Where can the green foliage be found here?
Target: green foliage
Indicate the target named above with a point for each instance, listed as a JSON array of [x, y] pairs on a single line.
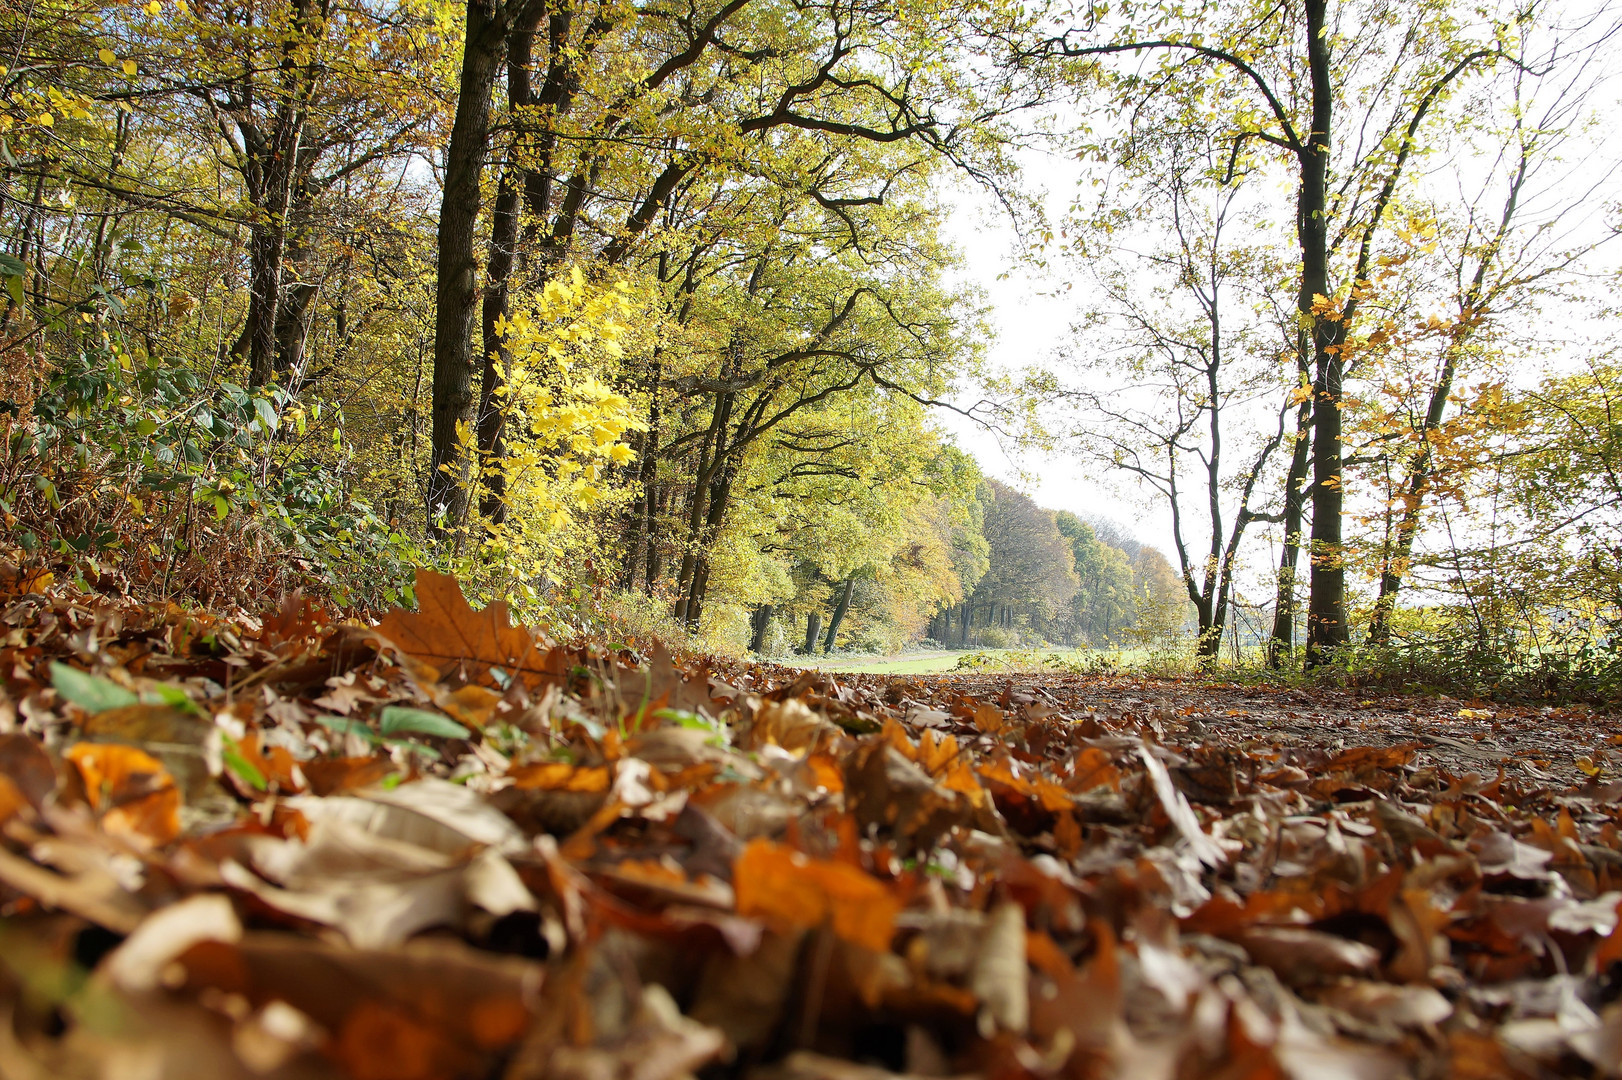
[[136, 465]]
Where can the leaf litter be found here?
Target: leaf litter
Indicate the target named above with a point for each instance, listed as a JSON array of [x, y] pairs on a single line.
[[443, 846]]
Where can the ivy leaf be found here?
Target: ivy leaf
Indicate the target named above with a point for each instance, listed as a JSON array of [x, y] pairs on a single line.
[[398, 719], [90, 692], [347, 727]]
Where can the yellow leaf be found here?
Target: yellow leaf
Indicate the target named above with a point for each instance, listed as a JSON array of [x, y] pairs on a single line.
[[106, 56], [129, 67]]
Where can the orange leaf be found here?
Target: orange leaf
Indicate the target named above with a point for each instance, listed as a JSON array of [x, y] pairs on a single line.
[[1610, 950], [274, 763], [1093, 768], [1049, 795], [473, 705], [445, 631], [560, 776], [134, 794], [11, 800], [380, 1042], [936, 752], [780, 884], [988, 718]]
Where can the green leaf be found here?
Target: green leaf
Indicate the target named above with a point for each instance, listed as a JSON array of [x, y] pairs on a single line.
[[414, 747], [347, 727], [245, 770], [398, 719], [14, 287], [90, 692], [11, 266], [175, 697]]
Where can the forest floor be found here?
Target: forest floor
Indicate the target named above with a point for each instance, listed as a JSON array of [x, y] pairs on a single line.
[[938, 661], [921, 662], [1536, 744], [440, 846]]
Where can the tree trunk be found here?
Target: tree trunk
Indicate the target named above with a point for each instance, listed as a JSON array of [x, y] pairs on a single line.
[[456, 291], [1282, 642], [293, 317], [839, 615], [813, 626], [760, 622], [1326, 604], [720, 499], [659, 497], [1417, 486], [714, 438], [640, 529], [492, 411], [1210, 631], [265, 246]]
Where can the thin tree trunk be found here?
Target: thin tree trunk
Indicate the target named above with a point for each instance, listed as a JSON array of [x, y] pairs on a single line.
[[1282, 641], [456, 292], [1422, 471], [720, 499], [640, 530], [492, 410], [660, 506], [1326, 604]]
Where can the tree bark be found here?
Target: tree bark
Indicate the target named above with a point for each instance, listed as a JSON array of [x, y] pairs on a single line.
[[839, 615], [1326, 604], [492, 410], [813, 626], [456, 292], [760, 622], [1282, 641]]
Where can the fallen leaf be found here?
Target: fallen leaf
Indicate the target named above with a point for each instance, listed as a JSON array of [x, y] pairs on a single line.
[[130, 790], [780, 884]]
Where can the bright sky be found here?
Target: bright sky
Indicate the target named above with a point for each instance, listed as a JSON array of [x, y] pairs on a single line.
[[1029, 325]]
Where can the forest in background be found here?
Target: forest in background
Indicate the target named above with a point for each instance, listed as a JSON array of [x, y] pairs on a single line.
[[638, 313]]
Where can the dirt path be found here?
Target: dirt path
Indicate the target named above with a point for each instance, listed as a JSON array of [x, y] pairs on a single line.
[[1550, 748]]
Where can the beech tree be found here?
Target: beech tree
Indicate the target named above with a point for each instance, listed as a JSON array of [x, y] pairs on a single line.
[[1275, 83]]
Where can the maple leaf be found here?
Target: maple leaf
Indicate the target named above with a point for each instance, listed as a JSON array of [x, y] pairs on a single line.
[[446, 632]]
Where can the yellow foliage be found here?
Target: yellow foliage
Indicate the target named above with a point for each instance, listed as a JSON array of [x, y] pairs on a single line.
[[565, 424]]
